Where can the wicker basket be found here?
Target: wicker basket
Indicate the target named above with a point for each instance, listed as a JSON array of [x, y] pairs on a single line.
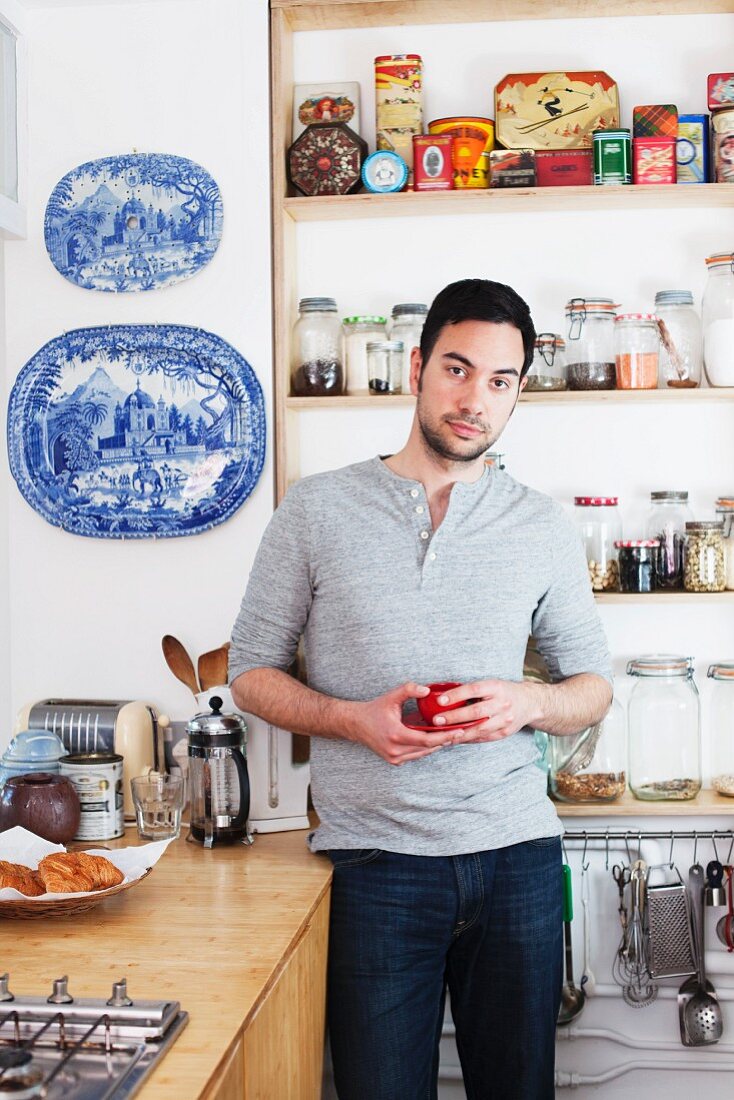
[[40, 908]]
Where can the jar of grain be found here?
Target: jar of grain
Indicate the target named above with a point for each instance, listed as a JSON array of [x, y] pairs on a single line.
[[590, 344], [548, 369], [725, 509], [636, 350], [664, 725], [590, 767], [722, 727], [703, 566], [600, 526]]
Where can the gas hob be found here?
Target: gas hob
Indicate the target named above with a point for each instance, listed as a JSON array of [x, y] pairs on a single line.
[[66, 1048]]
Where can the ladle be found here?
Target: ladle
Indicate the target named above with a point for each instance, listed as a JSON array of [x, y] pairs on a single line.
[[572, 998]]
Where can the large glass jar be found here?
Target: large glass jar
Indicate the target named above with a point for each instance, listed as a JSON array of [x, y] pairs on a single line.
[[666, 522], [590, 766], [548, 369], [681, 337], [600, 526], [317, 365], [358, 332], [590, 346], [664, 720], [703, 560], [722, 727], [725, 511], [636, 347], [718, 320], [406, 324]]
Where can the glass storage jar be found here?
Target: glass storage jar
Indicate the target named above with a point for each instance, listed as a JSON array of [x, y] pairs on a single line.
[[636, 347], [664, 721], [590, 345], [548, 369], [358, 333], [666, 521], [317, 360], [718, 320], [725, 509], [703, 558], [591, 766], [406, 324], [637, 559], [385, 364], [722, 727], [681, 339], [600, 526]]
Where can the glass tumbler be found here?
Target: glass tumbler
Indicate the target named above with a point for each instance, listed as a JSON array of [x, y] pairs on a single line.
[[158, 801]]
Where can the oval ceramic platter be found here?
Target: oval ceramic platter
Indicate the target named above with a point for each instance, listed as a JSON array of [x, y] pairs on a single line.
[[136, 431], [135, 222]]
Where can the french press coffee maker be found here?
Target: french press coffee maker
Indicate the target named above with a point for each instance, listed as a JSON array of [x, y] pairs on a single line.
[[219, 784]]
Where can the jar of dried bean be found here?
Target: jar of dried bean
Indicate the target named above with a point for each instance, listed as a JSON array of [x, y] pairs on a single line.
[[590, 767], [725, 510], [636, 351], [704, 568], [317, 366], [666, 522], [548, 369], [722, 727], [664, 725], [590, 344], [600, 526]]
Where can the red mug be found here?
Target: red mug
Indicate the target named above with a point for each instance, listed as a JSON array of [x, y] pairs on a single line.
[[429, 706]]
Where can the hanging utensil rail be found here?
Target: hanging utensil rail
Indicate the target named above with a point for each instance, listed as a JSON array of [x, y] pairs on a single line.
[[643, 834]]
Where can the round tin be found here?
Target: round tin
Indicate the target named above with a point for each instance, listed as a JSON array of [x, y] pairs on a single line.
[[97, 779], [612, 156], [384, 171]]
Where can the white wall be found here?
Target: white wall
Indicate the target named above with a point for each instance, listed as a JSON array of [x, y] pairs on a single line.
[[4, 519], [190, 78]]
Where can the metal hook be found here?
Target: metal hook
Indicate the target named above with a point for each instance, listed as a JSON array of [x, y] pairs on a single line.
[[728, 858], [670, 853], [563, 848], [606, 850], [713, 841], [627, 846], [584, 861], [695, 845]]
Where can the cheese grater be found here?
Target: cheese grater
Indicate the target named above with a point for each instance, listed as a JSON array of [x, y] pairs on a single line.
[[669, 929]]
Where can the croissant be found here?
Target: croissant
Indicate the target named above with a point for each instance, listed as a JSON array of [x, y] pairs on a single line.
[[75, 872], [18, 877], [103, 873]]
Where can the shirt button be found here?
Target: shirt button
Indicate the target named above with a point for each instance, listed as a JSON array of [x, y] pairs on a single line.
[[431, 557], [419, 509], [424, 534], [414, 493]]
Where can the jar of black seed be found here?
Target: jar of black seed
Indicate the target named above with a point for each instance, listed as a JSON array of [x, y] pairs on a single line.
[[590, 357], [637, 560], [317, 364]]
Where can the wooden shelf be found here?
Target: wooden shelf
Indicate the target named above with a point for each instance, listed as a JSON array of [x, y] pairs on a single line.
[[701, 598], [509, 200], [705, 803], [559, 397]]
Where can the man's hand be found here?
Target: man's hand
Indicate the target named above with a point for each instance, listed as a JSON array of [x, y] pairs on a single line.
[[504, 705], [377, 724]]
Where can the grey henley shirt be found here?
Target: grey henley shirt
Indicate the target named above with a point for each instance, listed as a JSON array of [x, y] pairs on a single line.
[[350, 560]]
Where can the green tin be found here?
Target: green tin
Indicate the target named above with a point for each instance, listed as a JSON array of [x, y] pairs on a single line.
[[612, 156]]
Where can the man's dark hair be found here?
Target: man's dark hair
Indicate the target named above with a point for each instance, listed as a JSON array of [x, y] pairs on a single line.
[[478, 300]]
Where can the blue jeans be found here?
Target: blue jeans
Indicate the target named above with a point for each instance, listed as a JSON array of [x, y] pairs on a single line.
[[403, 928]]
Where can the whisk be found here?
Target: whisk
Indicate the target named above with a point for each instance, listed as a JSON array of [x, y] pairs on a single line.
[[631, 967]]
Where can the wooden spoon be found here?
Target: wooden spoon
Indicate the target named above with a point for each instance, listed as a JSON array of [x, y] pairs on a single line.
[[212, 667], [179, 662]]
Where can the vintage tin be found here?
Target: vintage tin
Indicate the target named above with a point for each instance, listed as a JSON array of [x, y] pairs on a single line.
[[612, 157], [720, 90], [655, 120], [692, 149], [399, 104], [563, 167], [384, 171], [97, 779], [554, 110], [433, 165], [511, 167], [473, 136], [723, 126], [337, 102], [326, 159], [653, 160]]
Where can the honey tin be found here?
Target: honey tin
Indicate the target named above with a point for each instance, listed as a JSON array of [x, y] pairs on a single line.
[[720, 91], [399, 103], [722, 123], [97, 780], [384, 171], [433, 166], [612, 157], [326, 159], [473, 136], [557, 110], [511, 167], [692, 149], [655, 120], [564, 167], [653, 160]]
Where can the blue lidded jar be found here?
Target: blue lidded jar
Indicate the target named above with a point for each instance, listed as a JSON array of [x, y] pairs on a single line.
[[31, 751]]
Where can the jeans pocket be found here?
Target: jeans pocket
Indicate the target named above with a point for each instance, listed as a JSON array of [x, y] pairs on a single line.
[[353, 857], [546, 841]]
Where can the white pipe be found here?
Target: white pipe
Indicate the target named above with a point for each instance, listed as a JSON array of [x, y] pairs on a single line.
[[572, 1032], [573, 1080], [665, 993]]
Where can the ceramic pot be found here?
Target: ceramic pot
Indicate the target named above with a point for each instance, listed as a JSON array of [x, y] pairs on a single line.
[[45, 804]]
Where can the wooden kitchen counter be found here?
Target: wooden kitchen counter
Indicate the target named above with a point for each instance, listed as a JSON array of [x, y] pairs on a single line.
[[237, 935]]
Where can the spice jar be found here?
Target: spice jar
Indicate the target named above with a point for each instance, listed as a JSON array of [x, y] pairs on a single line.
[[664, 721], [600, 526], [637, 564], [548, 369], [666, 522], [384, 363], [703, 559], [725, 509], [358, 332], [636, 345], [722, 727], [590, 346], [406, 324], [317, 362], [681, 338], [590, 767], [718, 320]]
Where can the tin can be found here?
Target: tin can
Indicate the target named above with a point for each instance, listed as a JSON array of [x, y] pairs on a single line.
[[511, 167], [563, 167], [612, 156], [97, 779], [433, 165], [473, 137], [692, 149], [399, 104], [384, 172], [720, 87], [723, 127], [654, 160], [655, 120]]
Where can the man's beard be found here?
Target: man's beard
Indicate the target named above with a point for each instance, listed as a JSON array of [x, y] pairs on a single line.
[[436, 442]]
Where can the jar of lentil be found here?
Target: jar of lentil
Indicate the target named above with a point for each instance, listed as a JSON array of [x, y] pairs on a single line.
[[358, 333], [590, 345], [385, 364], [637, 564], [722, 727], [666, 522], [406, 324], [725, 510], [317, 359], [590, 767], [718, 320], [703, 559], [664, 724], [636, 349], [600, 526], [548, 369], [681, 338]]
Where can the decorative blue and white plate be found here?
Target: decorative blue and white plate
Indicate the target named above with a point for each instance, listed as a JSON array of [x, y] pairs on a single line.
[[133, 222], [136, 431]]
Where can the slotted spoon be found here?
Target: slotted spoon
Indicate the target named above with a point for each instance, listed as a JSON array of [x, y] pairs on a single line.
[[698, 1007]]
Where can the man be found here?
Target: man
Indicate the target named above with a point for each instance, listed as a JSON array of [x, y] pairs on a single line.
[[425, 566]]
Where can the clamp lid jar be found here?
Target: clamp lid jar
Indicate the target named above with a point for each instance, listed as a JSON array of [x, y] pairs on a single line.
[[722, 727], [548, 369], [718, 320], [590, 767], [725, 510], [590, 346], [664, 719]]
